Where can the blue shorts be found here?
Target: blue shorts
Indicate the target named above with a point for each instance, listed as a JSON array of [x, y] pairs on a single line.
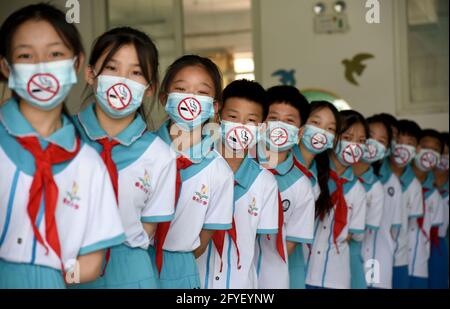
[[179, 270], [29, 276], [418, 283], [438, 266], [400, 277], [128, 268]]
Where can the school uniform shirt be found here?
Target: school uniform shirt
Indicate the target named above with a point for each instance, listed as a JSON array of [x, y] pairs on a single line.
[[206, 195], [329, 264], [419, 237], [255, 213], [312, 169], [146, 174], [86, 211], [412, 200], [299, 211], [379, 244], [443, 229]]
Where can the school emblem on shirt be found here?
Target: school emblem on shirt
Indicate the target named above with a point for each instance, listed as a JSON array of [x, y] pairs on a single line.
[[391, 191], [72, 198], [143, 183], [286, 204], [252, 209], [202, 196]]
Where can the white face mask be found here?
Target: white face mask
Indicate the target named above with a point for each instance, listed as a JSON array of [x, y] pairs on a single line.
[[237, 136], [427, 159], [349, 153], [443, 163], [44, 85], [403, 154]]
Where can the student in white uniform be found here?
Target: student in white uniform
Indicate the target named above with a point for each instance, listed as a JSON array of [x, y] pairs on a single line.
[[228, 262], [438, 262], [191, 92], [288, 111], [428, 154], [317, 136], [379, 140], [123, 69], [344, 219], [412, 198], [58, 211]]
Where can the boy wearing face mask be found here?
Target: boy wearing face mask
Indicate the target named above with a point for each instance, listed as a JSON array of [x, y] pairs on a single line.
[[438, 262], [288, 111], [403, 153], [229, 260], [428, 155]]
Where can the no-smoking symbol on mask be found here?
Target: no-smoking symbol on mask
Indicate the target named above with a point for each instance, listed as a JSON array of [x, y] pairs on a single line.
[[119, 96], [319, 141], [43, 87], [352, 154], [401, 155], [371, 151], [189, 109], [279, 136], [239, 138], [428, 160]]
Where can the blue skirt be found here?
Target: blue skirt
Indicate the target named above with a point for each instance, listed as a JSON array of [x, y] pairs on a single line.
[[438, 266], [400, 277], [128, 268], [179, 270], [29, 276], [297, 268], [358, 277]]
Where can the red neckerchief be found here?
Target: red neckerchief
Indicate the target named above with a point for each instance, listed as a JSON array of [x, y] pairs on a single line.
[[163, 227], [280, 247], [43, 182], [302, 168], [218, 239], [421, 219], [340, 213]]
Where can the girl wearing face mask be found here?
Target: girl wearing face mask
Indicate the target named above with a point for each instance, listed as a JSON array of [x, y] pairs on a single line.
[[382, 217], [58, 211], [438, 263], [310, 155], [191, 92], [329, 261], [122, 71]]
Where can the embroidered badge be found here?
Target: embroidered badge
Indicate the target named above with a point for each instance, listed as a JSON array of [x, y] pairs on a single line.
[[144, 183], [202, 196], [252, 209], [391, 191], [286, 204], [71, 197]]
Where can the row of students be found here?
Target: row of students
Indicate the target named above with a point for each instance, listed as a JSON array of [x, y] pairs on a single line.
[[301, 203]]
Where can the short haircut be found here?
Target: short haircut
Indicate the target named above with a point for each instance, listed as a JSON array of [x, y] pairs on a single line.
[[434, 134], [391, 120], [249, 90], [409, 128], [291, 96]]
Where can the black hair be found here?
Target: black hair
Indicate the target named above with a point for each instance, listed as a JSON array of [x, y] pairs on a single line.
[[391, 120], [41, 11], [193, 60], [433, 134], [409, 128], [291, 96], [445, 138], [113, 40], [323, 203], [350, 118], [249, 90], [384, 122]]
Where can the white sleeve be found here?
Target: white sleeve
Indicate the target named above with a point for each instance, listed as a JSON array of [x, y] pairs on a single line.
[[268, 220], [160, 207], [104, 226], [438, 214], [300, 223], [219, 214], [415, 207], [357, 202], [375, 210]]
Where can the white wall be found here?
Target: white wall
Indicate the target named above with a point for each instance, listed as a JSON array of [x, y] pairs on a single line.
[[287, 41]]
